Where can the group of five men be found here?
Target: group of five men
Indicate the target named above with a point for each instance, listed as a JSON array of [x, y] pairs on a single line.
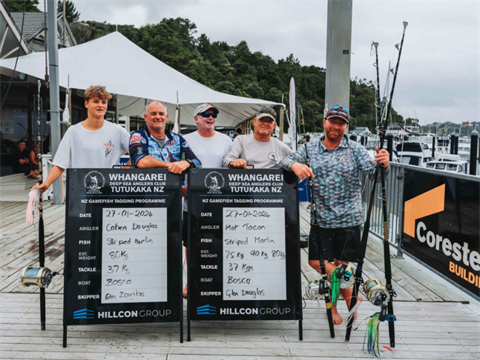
[[334, 163]]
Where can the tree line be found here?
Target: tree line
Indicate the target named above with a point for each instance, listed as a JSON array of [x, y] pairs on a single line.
[[231, 69]]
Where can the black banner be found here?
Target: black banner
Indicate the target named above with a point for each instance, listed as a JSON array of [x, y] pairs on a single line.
[[123, 256], [441, 225], [243, 246]]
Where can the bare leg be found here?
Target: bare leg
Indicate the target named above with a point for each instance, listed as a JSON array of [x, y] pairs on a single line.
[[329, 267], [185, 289], [347, 293]]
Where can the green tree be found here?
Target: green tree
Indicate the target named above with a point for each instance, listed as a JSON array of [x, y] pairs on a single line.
[[71, 12], [17, 6]]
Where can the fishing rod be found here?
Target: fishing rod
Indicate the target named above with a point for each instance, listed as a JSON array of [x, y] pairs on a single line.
[[323, 284], [387, 309], [366, 227], [386, 245], [41, 231], [379, 104]]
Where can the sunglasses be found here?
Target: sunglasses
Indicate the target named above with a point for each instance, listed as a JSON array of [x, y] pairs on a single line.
[[267, 110], [337, 123], [266, 120], [335, 107], [208, 114]]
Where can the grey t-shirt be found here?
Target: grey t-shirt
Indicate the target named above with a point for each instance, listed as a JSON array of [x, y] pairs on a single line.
[[260, 154], [159, 141], [82, 148]]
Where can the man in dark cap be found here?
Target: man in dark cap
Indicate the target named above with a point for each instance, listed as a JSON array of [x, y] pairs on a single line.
[[259, 150], [335, 165]]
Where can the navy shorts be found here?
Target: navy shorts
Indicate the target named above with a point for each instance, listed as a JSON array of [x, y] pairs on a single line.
[[341, 244]]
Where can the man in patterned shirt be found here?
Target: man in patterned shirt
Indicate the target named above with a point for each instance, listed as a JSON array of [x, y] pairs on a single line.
[[156, 147], [335, 165]]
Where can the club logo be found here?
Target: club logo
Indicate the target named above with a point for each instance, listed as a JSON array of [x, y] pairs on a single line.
[[108, 148], [214, 181], [206, 310], [93, 182], [83, 314]]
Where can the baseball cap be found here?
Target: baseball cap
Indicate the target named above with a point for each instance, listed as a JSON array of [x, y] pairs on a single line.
[[204, 107], [338, 112], [266, 112]]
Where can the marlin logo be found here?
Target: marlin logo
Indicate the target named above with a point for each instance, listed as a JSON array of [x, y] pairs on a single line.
[[206, 310], [83, 314]]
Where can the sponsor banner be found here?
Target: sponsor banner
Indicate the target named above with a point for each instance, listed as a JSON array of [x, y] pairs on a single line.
[[123, 253], [441, 225], [244, 255]]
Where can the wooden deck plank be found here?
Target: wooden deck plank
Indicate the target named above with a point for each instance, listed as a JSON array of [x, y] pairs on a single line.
[[428, 329]]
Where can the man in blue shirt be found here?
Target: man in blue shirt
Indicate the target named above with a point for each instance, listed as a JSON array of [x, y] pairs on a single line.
[[335, 165], [156, 147]]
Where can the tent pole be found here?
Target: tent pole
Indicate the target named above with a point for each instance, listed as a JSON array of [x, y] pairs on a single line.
[[282, 110], [52, 45]]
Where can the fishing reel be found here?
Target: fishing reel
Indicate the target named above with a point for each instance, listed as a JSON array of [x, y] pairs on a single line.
[[345, 273], [37, 276], [378, 295], [315, 290], [376, 292]]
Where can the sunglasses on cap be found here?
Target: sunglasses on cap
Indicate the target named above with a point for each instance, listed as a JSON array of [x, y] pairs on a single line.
[[335, 107], [207, 114], [267, 110]]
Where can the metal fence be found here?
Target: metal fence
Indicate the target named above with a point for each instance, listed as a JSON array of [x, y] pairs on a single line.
[[394, 194]]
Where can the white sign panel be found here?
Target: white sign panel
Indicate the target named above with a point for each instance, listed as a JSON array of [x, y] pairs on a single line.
[[134, 255], [254, 265]]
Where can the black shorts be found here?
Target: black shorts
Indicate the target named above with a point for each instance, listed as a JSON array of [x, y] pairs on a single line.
[[185, 228], [341, 244]]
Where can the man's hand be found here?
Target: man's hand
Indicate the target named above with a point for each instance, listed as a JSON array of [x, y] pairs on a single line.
[[178, 167], [382, 157], [184, 192], [302, 171], [42, 187], [239, 164]]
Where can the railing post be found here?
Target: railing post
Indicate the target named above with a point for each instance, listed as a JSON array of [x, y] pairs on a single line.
[[473, 152], [400, 204]]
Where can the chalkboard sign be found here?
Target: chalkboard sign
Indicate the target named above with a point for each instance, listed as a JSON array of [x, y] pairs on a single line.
[[243, 245], [123, 256]]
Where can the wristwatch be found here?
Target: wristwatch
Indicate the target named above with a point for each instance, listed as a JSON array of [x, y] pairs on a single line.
[[192, 165]]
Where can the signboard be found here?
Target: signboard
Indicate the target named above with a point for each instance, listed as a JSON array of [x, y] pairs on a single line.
[[243, 246], [441, 225], [123, 256]]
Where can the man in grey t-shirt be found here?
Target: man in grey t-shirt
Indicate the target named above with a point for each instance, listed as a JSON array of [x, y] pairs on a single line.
[[259, 150]]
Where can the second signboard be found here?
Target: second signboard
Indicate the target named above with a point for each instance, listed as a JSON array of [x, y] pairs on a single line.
[[243, 248]]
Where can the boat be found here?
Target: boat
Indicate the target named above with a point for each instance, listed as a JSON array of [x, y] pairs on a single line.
[[448, 162], [413, 151]]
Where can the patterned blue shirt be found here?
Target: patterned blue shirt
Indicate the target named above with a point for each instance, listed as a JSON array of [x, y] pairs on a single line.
[[143, 144], [336, 185]]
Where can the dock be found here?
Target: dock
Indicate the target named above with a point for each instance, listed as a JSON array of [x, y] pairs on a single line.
[[434, 319]]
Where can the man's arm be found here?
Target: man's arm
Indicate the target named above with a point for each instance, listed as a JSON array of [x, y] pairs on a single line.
[[296, 162], [147, 162], [189, 154], [53, 175], [365, 162], [234, 153]]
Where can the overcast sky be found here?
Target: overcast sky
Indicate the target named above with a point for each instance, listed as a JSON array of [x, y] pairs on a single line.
[[438, 79]]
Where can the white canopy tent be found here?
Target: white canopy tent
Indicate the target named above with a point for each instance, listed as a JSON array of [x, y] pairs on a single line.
[[135, 75]]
